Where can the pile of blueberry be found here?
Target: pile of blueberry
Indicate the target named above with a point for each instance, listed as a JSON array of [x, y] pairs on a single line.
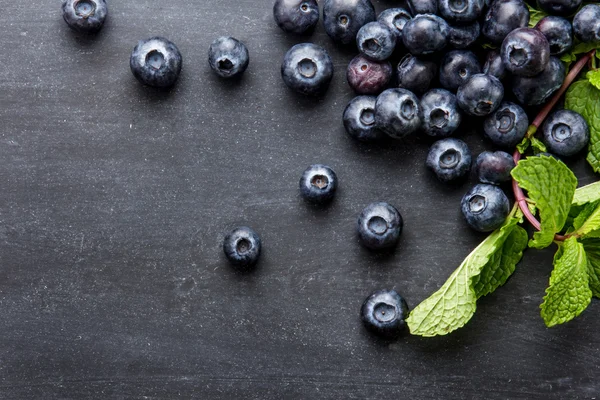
[[439, 82]]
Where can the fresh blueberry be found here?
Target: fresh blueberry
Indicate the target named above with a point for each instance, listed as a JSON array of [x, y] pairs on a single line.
[[359, 119], [379, 226], [307, 69], [507, 126], [425, 34], [296, 16], [376, 41], [415, 74], [156, 62], [525, 52], [395, 19], [560, 7], [586, 24], [503, 17], [242, 247], [565, 133], [485, 207], [397, 113], [318, 184], [457, 67], [494, 65], [368, 77], [344, 18], [440, 115], [449, 159], [85, 16], [460, 11], [494, 168], [463, 36], [228, 57], [481, 95], [558, 32], [422, 6], [533, 91], [384, 313]]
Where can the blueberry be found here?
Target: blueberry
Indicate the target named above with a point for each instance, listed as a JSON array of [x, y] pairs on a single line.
[[376, 41], [494, 65], [485, 207], [422, 6], [228, 57], [494, 168], [296, 16], [525, 52], [318, 184], [368, 77], [242, 247], [449, 159], [379, 226], [384, 313], [463, 36], [507, 126], [307, 69], [397, 113], [586, 24], [415, 74], [480, 95], [558, 32], [85, 16], [359, 119], [565, 133], [460, 11], [533, 91], [560, 7], [344, 18], [395, 19], [156, 62], [425, 34], [440, 115], [457, 67], [503, 17]]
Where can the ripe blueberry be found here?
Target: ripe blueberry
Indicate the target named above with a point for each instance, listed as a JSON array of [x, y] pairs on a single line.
[[368, 77], [558, 32], [480, 95], [494, 65], [559, 7], [376, 41], [384, 313], [503, 17], [494, 168], [85, 16], [533, 91], [242, 247], [228, 57], [440, 115], [463, 36], [425, 34], [397, 113], [449, 159], [344, 18], [566, 133], [156, 62], [379, 226], [307, 69], [395, 19], [318, 184], [422, 6], [525, 52], [359, 119], [460, 11], [457, 67], [586, 24], [296, 16], [507, 126], [415, 74], [485, 207]]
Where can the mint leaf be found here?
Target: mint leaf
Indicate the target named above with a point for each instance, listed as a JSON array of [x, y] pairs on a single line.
[[584, 98], [486, 268], [585, 212], [594, 78], [587, 194], [580, 48], [538, 145], [592, 249], [550, 184], [535, 15], [524, 145], [589, 220], [569, 293]]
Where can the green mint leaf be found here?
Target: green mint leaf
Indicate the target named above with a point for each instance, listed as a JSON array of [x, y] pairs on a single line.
[[569, 293], [537, 145], [587, 194], [585, 212], [592, 249], [550, 184], [524, 145], [594, 78], [580, 48], [584, 98], [489, 46], [588, 221], [535, 15], [486, 268]]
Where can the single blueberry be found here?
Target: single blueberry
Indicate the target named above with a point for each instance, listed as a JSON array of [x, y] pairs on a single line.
[[565, 133], [384, 313], [558, 32], [525, 52], [156, 62], [368, 77], [85, 16], [379, 226], [343, 19], [228, 57], [242, 247], [307, 69], [586, 24], [376, 41], [457, 67], [296, 16], [463, 36], [359, 119], [318, 184], [397, 113], [494, 168], [460, 11], [494, 65], [425, 34], [449, 159], [560, 7], [480, 95], [415, 74], [485, 207], [440, 115], [395, 19], [507, 126], [533, 91], [503, 17], [422, 6]]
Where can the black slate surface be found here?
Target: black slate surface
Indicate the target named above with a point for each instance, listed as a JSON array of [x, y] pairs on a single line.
[[114, 199]]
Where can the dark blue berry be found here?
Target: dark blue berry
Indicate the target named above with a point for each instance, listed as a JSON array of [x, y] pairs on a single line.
[[457, 67], [384, 313], [507, 126], [525, 52], [359, 119], [565, 133], [460, 11], [368, 77], [440, 115], [85, 16], [560, 7], [533, 91], [494, 65], [586, 24], [422, 6], [344, 18], [463, 36], [503, 17], [228, 57], [449, 159], [485, 207], [558, 32], [415, 74], [425, 34], [318, 184], [242, 247], [481, 95], [379, 226], [307, 69], [376, 41], [395, 19], [397, 113], [296, 16], [156, 62], [494, 168]]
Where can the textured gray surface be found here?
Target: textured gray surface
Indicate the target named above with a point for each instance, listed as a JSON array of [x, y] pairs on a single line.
[[114, 200]]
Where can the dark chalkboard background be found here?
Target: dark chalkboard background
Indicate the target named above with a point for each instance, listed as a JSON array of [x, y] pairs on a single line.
[[114, 199]]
